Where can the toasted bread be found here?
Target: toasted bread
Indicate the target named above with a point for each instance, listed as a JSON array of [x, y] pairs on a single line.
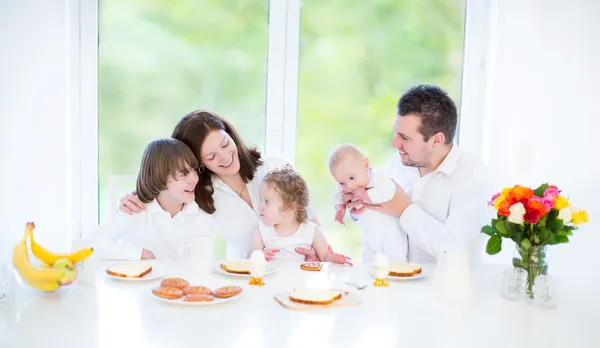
[[167, 292], [237, 267], [227, 291], [403, 269], [129, 270], [315, 296]]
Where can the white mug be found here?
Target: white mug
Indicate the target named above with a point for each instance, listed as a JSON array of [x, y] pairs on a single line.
[[201, 253], [88, 268]]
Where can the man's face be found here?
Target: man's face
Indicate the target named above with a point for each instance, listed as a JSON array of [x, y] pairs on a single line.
[[413, 149]]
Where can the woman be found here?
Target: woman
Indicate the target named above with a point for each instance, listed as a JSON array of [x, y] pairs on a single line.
[[229, 176]]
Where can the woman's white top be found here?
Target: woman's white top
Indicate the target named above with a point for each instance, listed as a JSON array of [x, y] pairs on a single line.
[[234, 218], [302, 238], [124, 236]]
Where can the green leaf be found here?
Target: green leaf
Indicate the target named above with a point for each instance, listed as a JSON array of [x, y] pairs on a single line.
[[564, 232], [540, 190], [555, 225], [517, 262], [542, 222], [501, 227], [489, 230], [562, 239], [553, 240], [536, 239], [518, 235], [525, 243], [545, 234], [494, 245]]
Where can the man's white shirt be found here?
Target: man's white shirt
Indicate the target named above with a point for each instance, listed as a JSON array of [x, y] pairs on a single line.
[[449, 205]]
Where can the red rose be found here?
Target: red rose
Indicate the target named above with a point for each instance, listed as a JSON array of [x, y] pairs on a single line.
[[534, 211]]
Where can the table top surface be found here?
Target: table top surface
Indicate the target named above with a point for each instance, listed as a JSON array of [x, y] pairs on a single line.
[[114, 313]]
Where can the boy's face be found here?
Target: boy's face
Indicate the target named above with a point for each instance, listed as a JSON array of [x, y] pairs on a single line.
[[271, 205], [351, 172], [180, 188]]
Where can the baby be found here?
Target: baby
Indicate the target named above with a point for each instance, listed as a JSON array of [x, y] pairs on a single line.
[[283, 224], [381, 232]]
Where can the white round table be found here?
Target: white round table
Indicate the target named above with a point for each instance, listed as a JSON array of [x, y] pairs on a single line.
[[112, 313]]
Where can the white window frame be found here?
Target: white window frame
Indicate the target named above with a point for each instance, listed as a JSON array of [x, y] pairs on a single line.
[[282, 78]]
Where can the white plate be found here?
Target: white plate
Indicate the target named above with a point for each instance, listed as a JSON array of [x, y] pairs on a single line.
[[156, 273], [271, 267], [181, 302], [426, 270]]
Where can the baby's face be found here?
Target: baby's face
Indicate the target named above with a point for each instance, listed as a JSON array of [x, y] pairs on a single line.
[[351, 173], [271, 205]]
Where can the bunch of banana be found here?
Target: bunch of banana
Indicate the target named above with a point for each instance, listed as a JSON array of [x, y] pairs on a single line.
[[50, 258], [45, 278]]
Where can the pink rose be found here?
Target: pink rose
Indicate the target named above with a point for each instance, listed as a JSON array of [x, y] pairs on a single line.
[[548, 203], [491, 203], [551, 192]]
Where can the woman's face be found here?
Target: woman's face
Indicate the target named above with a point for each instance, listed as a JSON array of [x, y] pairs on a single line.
[[219, 153]]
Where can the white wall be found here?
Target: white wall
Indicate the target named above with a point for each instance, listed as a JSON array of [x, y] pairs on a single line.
[[39, 77], [540, 119]]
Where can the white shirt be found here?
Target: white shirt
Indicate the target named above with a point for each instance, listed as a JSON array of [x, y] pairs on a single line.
[[302, 238], [449, 205], [124, 236], [381, 232], [234, 218]]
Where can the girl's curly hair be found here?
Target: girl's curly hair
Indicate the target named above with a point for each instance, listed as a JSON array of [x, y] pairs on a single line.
[[292, 189]]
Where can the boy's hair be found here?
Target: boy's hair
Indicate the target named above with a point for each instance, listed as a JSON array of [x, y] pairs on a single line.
[[292, 189], [162, 158]]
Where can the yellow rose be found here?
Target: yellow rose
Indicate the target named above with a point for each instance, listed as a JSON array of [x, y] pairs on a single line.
[[579, 217], [561, 202]]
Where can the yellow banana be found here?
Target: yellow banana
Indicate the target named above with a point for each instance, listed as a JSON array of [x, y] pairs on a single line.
[[39, 278], [50, 258]]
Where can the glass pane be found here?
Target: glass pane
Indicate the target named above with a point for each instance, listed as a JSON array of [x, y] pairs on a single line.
[[160, 59], [355, 62]]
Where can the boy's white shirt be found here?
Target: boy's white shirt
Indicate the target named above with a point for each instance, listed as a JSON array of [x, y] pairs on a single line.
[[381, 232], [125, 236], [302, 238]]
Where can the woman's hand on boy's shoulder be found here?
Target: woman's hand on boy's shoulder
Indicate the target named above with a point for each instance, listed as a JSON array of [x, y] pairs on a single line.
[[130, 204]]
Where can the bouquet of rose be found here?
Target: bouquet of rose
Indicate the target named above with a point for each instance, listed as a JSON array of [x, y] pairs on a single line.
[[533, 219]]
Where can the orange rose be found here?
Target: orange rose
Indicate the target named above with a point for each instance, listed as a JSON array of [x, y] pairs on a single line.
[[504, 208], [534, 211], [521, 193]]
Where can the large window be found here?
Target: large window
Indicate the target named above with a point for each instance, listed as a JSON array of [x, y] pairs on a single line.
[[355, 61], [160, 59], [334, 73]]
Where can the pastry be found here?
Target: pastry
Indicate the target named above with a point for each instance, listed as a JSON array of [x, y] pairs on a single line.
[[227, 291], [178, 283], [197, 290], [311, 266], [199, 297], [167, 292]]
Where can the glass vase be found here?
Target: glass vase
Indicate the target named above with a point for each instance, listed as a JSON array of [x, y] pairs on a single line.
[[534, 262]]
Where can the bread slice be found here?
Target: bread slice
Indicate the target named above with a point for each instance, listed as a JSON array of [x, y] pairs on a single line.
[[315, 296], [237, 267], [129, 270], [403, 269]]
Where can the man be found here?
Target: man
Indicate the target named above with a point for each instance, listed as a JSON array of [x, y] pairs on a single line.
[[441, 200]]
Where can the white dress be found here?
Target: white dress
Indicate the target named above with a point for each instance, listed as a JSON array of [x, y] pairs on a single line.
[[234, 218], [381, 232], [303, 238]]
